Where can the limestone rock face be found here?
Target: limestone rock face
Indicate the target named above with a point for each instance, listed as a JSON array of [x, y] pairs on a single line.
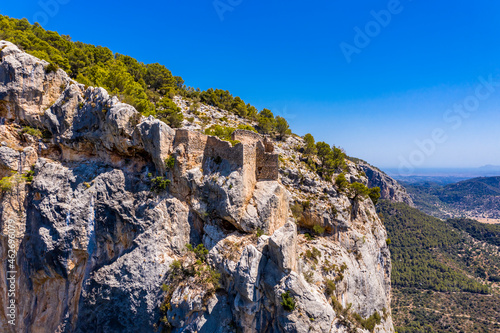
[[283, 247], [27, 88], [390, 189], [101, 249]]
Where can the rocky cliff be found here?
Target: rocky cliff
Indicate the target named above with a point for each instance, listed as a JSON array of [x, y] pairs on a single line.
[[390, 189], [103, 202]]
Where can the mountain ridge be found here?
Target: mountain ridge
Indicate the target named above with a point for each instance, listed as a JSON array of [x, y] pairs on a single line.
[[476, 198], [105, 200]]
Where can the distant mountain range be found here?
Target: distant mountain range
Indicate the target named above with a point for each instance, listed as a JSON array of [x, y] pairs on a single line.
[[477, 198]]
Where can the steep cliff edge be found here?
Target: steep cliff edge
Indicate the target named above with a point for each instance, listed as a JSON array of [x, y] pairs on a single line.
[[105, 201], [390, 189]]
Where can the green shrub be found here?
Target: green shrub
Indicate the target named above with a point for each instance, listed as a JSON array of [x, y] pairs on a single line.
[[51, 68], [358, 190], [370, 322], [200, 251], [330, 287], [308, 276], [336, 305], [282, 127], [247, 127], [32, 131], [314, 255], [159, 184], [6, 183], [266, 121], [176, 265], [297, 210], [223, 133], [287, 301], [309, 145], [306, 204], [319, 230], [170, 162], [29, 176], [341, 182], [374, 194], [168, 112], [194, 108], [308, 236], [213, 278]]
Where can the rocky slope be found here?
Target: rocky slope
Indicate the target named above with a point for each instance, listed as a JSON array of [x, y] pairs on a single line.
[[99, 251], [390, 189]]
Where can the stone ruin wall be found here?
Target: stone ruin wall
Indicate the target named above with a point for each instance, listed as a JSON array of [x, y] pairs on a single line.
[[255, 155], [266, 161]]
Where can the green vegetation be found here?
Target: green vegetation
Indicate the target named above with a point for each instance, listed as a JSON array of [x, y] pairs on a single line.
[[32, 131], [168, 112], [247, 127], [443, 272], [341, 182], [352, 320], [190, 271], [488, 233], [472, 195], [199, 251], [159, 184], [313, 255], [332, 159], [150, 88], [416, 311], [417, 239], [7, 183], [368, 323], [28, 176], [170, 162], [282, 127], [297, 209], [357, 190], [309, 146], [222, 132], [318, 229], [287, 301], [266, 121], [330, 287], [51, 68]]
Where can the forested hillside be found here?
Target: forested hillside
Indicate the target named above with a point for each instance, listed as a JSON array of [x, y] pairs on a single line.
[[444, 273], [474, 198]]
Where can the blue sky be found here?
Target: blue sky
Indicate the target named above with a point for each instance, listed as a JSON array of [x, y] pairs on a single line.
[[287, 56]]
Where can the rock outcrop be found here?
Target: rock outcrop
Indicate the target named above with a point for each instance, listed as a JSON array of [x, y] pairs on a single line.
[[102, 218], [390, 189]]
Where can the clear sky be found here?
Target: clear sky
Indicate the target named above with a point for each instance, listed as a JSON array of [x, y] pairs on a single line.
[[374, 77]]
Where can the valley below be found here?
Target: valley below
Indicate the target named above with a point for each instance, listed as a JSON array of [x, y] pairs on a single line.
[[476, 198]]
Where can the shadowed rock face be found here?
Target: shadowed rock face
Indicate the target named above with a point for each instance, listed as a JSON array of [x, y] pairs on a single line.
[[94, 244]]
